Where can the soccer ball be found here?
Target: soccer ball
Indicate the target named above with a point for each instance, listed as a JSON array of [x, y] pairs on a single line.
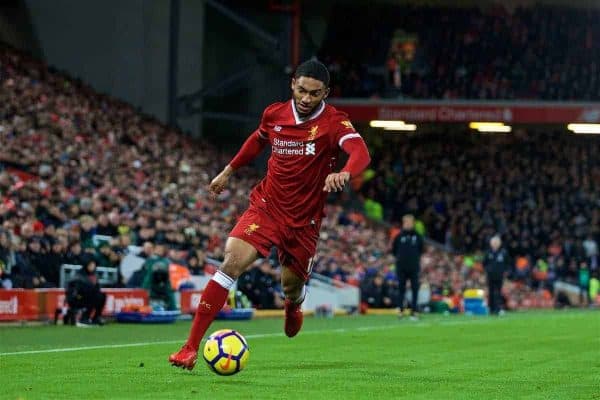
[[226, 352]]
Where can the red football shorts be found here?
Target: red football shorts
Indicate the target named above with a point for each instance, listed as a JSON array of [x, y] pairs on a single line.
[[296, 247]]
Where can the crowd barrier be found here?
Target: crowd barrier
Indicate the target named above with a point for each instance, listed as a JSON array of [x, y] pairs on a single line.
[[41, 304]]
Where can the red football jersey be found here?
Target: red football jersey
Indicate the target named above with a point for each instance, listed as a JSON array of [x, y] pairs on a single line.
[[303, 153]]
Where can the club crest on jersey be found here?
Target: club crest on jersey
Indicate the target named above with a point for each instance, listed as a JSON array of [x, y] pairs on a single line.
[[347, 124], [277, 128], [313, 132], [251, 229]]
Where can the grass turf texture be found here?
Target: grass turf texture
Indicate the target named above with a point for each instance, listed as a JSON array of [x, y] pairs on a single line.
[[541, 355]]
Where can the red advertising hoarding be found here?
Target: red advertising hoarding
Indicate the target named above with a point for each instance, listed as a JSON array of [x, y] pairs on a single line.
[[22, 304], [116, 299], [189, 301], [18, 304], [449, 112]]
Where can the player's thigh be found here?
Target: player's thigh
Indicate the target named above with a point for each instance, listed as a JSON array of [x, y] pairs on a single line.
[[253, 236]]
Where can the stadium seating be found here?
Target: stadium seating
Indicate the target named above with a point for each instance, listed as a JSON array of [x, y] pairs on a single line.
[[538, 52], [75, 164]]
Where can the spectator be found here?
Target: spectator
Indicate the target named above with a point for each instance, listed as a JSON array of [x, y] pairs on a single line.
[[105, 227], [260, 285], [76, 255], [29, 263], [375, 293], [590, 247], [147, 250], [197, 263], [84, 292], [5, 279], [53, 260]]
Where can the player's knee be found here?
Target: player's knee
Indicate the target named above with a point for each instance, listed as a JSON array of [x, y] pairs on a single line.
[[232, 265]]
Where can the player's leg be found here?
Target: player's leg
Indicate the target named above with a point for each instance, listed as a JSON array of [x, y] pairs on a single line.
[[296, 252], [293, 285], [239, 255], [295, 291], [251, 236]]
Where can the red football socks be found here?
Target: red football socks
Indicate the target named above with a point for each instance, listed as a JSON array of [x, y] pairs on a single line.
[[213, 298]]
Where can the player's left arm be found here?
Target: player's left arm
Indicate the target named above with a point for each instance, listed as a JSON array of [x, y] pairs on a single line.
[[251, 148], [358, 159]]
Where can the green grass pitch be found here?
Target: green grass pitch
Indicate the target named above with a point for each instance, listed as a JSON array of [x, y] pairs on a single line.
[[537, 355]]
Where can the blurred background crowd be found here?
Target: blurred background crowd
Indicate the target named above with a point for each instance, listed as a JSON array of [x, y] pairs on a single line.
[[540, 52], [75, 164]]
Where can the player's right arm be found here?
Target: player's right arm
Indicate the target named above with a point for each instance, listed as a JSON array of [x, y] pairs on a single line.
[[251, 148]]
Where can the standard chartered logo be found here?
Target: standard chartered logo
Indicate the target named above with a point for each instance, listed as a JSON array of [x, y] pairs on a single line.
[[294, 148]]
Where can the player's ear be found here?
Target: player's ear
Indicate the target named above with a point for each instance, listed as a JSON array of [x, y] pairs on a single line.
[[293, 85], [326, 93]]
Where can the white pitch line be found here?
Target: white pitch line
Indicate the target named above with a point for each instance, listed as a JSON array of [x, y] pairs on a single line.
[[254, 336], [420, 324]]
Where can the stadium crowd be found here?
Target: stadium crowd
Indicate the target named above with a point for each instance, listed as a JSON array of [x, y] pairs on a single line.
[[75, 164], [539, 190], [537, 52]]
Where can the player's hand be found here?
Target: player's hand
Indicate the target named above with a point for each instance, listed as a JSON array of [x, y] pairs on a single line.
[[218, 184], [335, 182]]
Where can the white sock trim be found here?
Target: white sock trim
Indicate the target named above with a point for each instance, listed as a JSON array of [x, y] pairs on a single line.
[[223, 279]]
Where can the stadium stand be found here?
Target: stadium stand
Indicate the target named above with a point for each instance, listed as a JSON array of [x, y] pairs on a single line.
[[143, 184], [539, 52]]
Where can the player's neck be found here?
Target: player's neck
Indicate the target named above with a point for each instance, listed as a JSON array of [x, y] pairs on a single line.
[[303, 118]]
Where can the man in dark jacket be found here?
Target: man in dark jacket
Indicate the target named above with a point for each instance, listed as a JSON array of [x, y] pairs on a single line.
[[496, 263], [29, 263], [407, 248], [53, 260], [84, 292]]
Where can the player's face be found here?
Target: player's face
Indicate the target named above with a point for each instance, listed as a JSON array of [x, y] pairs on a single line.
[[308, 94]]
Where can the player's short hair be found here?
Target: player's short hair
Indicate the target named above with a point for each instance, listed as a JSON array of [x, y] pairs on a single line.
[[313, 69]]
